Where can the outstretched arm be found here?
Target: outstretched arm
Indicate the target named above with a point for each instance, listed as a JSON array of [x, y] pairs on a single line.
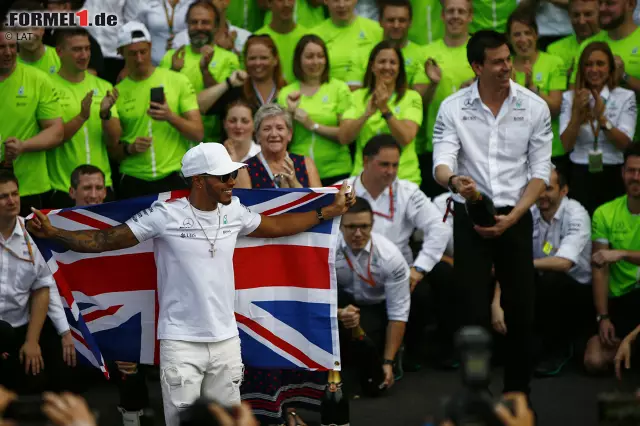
[[94, 241]]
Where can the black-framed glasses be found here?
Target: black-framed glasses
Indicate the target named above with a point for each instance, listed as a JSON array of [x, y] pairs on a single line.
[[225, 178], [354, 227]]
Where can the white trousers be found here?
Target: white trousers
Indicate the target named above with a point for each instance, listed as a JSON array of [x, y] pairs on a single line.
[[189, 370]]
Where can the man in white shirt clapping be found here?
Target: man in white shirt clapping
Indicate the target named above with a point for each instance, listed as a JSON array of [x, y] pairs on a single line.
[[494, 137]]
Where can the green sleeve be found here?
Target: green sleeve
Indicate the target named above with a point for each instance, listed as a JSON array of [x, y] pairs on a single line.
[[599, 228], [345, 98], [114, 108], [413, 109], [48, 105], [558, 76], [282, 96], [229, 65], [188, 99], [167, 60]]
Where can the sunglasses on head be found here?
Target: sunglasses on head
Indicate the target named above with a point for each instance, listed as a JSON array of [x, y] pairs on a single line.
[[225, 178]]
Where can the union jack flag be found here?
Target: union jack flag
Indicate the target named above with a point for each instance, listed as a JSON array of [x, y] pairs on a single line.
[[286, 293]]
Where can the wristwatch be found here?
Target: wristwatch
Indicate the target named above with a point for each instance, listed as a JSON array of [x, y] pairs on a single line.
[[387, 115], [319, 214], [607, 126], [315, 127], [419, 269], [387, 362], [602, 317], [450, 184]]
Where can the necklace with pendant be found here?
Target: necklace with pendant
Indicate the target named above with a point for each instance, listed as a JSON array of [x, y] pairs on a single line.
[[212, 250]]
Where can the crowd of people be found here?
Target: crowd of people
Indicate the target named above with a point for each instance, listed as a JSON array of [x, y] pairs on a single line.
[[415, 106]]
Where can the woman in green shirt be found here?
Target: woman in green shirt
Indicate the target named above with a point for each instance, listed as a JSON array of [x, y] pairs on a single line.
[[385, 105], [317, 102], [540, 72]]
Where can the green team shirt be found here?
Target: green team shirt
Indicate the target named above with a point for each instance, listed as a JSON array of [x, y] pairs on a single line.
[[245, 14], [49, 63], [325, 107], [491, 14], [455, 70], [408, 108], [627, 48], [414, 59], [304, 14], [427, 25], [565, 49], [165, 154], [549, 74], [27, 96], [286, 44], [613, 224], [222, 65], [342, 42], [88, 145]]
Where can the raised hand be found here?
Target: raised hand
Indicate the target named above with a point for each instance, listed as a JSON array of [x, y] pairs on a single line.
[[293, 100], [433, 71], [40, 226], [177, 59], [108, 101], [85, 105], [207, 55]]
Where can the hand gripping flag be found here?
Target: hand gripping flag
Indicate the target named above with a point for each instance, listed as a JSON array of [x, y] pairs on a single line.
[[286, 293]]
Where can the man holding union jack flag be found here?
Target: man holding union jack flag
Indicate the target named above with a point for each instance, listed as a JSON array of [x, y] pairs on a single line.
[[194, 242]]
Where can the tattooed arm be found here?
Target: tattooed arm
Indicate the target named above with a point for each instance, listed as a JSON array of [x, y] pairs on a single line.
[[116, 238]]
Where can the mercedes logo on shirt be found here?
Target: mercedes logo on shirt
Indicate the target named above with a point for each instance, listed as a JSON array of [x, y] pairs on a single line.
[[188, 223]]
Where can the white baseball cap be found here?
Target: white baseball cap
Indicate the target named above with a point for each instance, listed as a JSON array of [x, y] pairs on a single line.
[[210, 158], [125, 34]]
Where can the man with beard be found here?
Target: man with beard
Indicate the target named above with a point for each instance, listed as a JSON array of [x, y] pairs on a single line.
[[30, 123], [203, 62], [562, 256], [494, 139], [616, 258], [584, 19], [623, 37], [91, 123], [199, 341], [32, 49], [155, 135]]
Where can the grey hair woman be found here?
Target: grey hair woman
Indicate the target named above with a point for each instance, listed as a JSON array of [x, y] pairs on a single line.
[[274, 167]]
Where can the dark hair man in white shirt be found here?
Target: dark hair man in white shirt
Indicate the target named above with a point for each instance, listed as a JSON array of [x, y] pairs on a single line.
[[373, 279], [199, 342], [25, 301], [489, 138]]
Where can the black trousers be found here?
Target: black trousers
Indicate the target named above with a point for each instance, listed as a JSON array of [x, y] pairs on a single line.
[[512, 256], [594, 189], [373, 320], [55, 377], [564, 309], [131, 187]]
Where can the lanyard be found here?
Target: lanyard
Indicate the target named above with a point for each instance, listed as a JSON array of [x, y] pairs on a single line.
[[268, 169], [369, 280], [594, 129], [166, 14], [449, 209], [259, 95], [26, 240], [391, 207]]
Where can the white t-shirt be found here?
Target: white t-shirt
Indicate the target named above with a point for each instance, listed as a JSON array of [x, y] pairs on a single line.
[[196, 292]]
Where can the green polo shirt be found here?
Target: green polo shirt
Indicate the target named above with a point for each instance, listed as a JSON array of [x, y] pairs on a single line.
[[614, 224], [324, 107], [245, 14], [455, 70], [414, 59], [165, 155], [408, 108], [28, 95], [491, 14], [342, 42], [222, 65], [566, 49], [549, 74], [427, 25], [286, 44], [49, 63], [304, 14], [88, 145]]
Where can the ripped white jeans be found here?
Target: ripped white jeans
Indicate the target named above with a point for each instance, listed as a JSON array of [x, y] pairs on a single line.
[[189, 370]]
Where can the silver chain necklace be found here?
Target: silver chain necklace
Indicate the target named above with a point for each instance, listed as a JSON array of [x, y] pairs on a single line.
[[212, 250]]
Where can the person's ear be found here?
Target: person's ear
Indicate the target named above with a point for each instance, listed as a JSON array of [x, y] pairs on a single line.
[[72, 193]]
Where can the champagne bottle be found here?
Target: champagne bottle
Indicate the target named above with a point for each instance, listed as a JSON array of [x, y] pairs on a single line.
[[481, 210], [369, 363], [335, 404]]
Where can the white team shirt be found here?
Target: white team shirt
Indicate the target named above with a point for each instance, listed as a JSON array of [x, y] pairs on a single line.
[[196, 293], [19, 278], [411, 209], [620, 110], [567, 236], [389, 272], [500, 153], [440, 201]]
